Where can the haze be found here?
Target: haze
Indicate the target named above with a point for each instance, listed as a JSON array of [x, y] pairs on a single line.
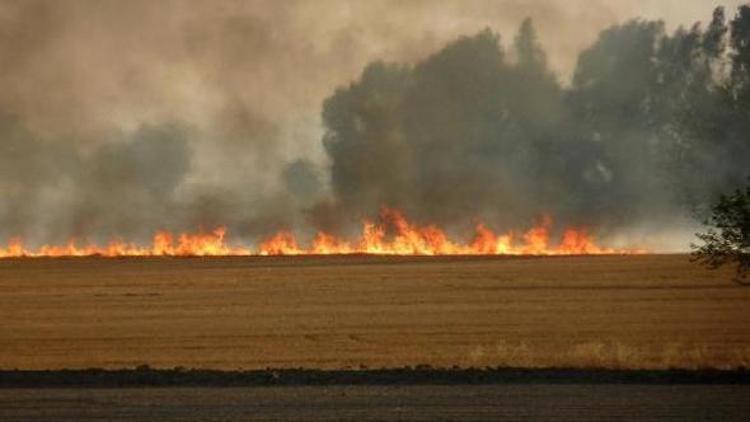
[[120, 118]]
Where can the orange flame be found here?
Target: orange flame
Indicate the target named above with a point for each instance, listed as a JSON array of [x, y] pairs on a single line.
[[393, 234], [163, 244], [407, 238], [282, 243]]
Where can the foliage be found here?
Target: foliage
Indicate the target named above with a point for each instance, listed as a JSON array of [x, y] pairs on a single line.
[[652, 122], [727, 241]]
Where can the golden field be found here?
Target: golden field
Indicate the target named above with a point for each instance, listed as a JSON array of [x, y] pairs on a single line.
[[650, 311]]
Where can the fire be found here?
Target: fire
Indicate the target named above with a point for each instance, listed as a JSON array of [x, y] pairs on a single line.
[[391, 234], [282, 243], [163, 244]]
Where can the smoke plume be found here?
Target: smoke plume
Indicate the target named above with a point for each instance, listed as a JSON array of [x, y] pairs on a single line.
[[121, 118]]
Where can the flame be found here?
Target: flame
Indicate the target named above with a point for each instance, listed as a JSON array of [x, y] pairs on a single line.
[[163, 244], [391, 234], [282, 243], [326, 244]]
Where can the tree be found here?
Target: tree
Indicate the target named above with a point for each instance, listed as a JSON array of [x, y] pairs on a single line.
[[740, 42], [714, 41], [727, 241], [530, 55]]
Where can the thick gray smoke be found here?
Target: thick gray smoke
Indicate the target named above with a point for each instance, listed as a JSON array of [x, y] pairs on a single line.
[[121, 118], [651, 127], [461, 135]]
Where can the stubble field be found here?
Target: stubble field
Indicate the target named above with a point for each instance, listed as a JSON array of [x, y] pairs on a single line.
[[653, 311]]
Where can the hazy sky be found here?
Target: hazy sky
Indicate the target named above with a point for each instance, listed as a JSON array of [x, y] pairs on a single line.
[[80, 67]]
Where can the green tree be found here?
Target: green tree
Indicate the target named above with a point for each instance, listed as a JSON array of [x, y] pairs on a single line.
[[727, 240]]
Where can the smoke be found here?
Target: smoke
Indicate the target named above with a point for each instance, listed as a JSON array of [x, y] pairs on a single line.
[[120, 118], [468, 133]]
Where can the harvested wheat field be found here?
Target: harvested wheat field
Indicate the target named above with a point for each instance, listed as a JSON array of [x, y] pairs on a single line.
[[651, 311]]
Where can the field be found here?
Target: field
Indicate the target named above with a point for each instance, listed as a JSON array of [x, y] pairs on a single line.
[[651, 311]]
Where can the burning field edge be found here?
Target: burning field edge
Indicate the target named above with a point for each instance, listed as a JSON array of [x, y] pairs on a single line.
[[371, 257], [392, 234], [145, 376]]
